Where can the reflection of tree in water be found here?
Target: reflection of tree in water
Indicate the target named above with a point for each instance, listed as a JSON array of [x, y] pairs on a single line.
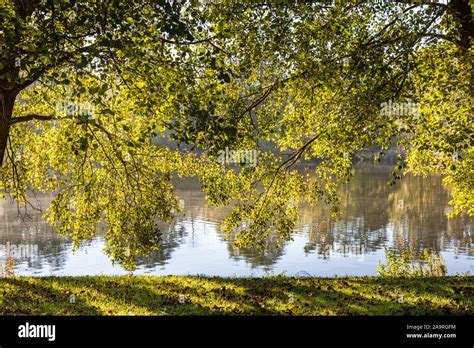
[[418, 210], [361, 224], [174, 235], [413, 212], [273, 251], [347, 237], [171, 237], [461, 235], [414, 209], [31, 241], [196, 200]]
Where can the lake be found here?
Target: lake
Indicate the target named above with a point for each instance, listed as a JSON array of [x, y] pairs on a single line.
[[374, 216]]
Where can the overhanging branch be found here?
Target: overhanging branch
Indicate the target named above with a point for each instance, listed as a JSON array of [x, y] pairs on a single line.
[[31, 117]]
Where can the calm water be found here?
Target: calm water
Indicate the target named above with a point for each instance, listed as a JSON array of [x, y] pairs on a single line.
[[374, 216]]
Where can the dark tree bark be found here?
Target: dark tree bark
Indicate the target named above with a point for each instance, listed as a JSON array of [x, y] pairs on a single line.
[[7, 104], [462, 13], [8, 88]]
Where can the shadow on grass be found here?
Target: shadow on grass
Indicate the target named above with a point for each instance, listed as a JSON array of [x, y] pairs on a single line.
[[240, 296], [32, 296], [366, 296], [179, 298]]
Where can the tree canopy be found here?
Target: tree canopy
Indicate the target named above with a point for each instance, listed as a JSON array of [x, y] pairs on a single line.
[[86, 86]]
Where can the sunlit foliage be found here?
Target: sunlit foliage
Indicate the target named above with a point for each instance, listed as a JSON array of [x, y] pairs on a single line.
[[95, 82]]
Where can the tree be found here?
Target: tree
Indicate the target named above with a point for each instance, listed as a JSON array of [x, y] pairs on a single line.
[[307, 78], [81, 129]]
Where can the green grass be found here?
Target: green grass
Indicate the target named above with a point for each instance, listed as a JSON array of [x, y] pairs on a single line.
[[278, 295]]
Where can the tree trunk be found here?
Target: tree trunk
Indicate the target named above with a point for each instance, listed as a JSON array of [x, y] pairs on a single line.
[[7, 103], [463, 15]]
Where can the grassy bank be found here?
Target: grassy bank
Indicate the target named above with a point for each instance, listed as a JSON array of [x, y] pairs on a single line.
[[173, 295]]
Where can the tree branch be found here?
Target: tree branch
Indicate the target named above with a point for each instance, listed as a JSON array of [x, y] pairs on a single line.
[[443, 37], [31, 117], [185, 42]]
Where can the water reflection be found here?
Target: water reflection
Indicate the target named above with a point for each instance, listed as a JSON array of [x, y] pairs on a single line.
[[411, 213], [373, 216]]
